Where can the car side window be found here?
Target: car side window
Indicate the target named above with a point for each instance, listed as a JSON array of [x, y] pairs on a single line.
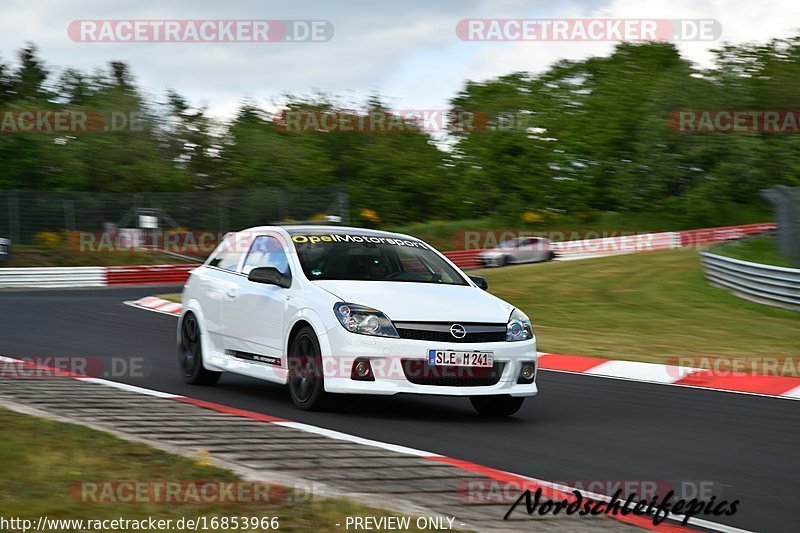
[[266, 251], [227, 255]]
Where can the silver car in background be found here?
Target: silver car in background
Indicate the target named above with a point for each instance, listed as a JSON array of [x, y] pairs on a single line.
[[518, 250]]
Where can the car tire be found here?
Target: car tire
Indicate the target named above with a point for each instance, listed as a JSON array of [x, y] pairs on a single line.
[[190, 354], [551, 255], [496, 406], [505, 261], [306, 380]]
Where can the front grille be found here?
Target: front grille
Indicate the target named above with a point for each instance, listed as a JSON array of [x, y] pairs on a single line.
[[419, 372], [441, 336], [440, 332]]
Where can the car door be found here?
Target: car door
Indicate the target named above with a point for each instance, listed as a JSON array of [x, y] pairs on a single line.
[[254, 312], [523, 250], [542, 249], [218, 278], [511, 250], [534, 248]]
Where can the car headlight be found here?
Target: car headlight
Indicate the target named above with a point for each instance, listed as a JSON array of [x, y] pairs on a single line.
[[364, 320], [519, 327]]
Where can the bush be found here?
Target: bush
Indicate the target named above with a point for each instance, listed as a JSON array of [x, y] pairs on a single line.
[[48, 239], [369, 218], [531, 217], [587, 217]]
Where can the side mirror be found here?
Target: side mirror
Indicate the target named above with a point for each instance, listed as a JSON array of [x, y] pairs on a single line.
[[270, 276], [480, 282]]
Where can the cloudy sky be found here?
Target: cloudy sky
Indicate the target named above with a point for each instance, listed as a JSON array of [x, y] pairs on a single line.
[[406, 50]]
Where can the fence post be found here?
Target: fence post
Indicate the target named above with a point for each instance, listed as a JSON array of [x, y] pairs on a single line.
[[69, 215], [785, 202], [344, 207], [283, 211], [224, 219], [675, 239], [13, 218]]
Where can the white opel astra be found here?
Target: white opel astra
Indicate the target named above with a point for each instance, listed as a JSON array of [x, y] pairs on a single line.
[[336, 310]]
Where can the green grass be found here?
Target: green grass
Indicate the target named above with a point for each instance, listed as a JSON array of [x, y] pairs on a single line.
[[449, 235], [172, 297], [42, 461], [644, 307], [757, 250]]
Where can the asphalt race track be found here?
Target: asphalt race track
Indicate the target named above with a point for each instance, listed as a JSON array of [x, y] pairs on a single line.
[[579, 428]]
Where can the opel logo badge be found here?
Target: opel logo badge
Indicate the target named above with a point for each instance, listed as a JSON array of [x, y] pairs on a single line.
[[458, 331]]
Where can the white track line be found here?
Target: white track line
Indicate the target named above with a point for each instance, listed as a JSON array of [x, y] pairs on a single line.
[[358, 440], [131, 388]]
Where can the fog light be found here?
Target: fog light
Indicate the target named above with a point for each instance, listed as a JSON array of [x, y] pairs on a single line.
[[362, 370], [526, 373]]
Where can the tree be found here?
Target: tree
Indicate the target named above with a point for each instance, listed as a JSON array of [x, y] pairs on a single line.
[[29, 78]]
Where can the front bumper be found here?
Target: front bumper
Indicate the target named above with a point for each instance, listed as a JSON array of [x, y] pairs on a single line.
[[340, 349], [492, 260]]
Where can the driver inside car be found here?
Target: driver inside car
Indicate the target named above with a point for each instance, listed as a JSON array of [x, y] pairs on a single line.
[[376, 269]]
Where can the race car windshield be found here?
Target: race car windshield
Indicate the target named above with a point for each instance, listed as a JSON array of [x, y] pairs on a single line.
[[338, 256]]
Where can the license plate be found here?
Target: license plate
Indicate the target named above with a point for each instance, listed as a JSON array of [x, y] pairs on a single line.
[[456, 358]]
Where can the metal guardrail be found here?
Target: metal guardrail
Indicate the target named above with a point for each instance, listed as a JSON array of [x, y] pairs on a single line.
[[766, 284], [63, 277], [53, 277], [151, 274]]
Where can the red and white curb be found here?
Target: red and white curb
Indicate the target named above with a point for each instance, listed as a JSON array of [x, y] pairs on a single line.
[[550, 490], [154, 303], [681, 376], [787, 388]]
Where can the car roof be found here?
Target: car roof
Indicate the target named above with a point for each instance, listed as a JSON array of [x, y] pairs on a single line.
[[317, 228]]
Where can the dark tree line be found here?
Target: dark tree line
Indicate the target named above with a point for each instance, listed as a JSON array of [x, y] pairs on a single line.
[[581, 137]]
